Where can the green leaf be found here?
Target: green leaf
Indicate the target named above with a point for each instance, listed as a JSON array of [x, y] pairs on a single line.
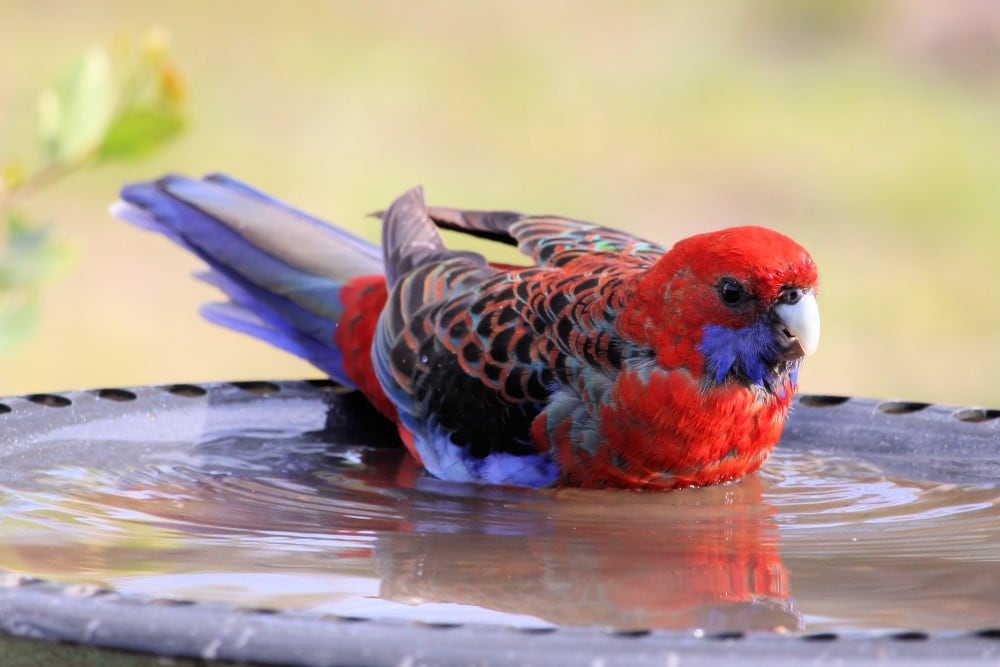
[[30, 256], [140, 131], [74, 116]]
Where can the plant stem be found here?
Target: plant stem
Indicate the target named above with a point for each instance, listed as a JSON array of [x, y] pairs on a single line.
[[47, 175]]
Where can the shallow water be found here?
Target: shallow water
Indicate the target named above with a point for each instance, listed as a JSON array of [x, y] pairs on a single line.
[[270, 514]]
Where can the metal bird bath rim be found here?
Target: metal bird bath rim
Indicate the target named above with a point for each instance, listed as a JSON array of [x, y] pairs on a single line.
[[957, 445]]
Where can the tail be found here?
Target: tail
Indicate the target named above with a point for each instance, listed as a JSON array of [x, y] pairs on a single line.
[[289, 276]]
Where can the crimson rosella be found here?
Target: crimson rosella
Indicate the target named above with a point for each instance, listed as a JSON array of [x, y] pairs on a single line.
[[609, 361]]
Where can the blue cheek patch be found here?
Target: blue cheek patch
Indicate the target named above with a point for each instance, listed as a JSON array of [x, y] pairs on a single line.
[[750, 351]]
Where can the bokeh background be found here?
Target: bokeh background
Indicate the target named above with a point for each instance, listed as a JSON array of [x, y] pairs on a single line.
[[869, 131]]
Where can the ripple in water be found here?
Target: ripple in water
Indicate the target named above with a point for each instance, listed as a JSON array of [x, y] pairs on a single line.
[[268, 518]]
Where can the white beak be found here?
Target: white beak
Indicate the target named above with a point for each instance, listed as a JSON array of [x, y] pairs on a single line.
[[801, 321]]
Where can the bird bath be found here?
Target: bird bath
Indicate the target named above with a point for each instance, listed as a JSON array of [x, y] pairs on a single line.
[[280, 522]]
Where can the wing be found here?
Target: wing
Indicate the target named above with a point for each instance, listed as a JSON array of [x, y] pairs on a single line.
[[549, 240], [471, 353], [421, 355], [482, 363], [432, 357]]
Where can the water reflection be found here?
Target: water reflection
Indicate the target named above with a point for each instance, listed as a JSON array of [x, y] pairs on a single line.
[[272, 518], [704, 559]]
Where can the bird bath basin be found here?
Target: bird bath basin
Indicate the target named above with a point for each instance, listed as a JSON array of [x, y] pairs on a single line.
[[279, 522]]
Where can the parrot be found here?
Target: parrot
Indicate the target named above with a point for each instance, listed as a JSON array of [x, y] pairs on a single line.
[[606, 361]]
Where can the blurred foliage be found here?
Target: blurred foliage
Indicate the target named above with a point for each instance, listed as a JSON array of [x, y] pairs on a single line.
[[29, 256], [865, 129], [112, 104]]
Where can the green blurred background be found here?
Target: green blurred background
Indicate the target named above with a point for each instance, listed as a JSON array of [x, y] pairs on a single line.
[[866, 130]]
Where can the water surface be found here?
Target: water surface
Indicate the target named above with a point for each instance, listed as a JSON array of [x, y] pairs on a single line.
[[261, 509]]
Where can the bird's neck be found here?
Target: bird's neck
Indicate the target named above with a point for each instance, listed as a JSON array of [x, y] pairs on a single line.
[[648, 323]]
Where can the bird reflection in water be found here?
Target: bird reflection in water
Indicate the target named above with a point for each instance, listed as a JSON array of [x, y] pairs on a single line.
[[696, 559], [705, 559]]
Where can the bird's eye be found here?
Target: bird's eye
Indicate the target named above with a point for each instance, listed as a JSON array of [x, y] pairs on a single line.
[[791, 295], [732, 293]]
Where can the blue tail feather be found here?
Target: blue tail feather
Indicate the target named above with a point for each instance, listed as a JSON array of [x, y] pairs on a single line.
[[223, 247], [344, 237], [275, 320], [281, 268]]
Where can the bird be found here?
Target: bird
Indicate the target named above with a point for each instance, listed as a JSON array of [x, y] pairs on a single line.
[[605, 361]]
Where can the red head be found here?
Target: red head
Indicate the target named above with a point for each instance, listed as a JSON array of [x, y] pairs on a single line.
[[734, 304]]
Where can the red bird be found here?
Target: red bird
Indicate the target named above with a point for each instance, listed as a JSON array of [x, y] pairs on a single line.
[[608, 362]]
